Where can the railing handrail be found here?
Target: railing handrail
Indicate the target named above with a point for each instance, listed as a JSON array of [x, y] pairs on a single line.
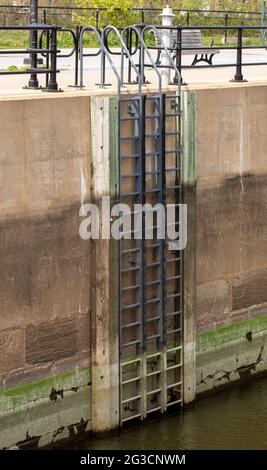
[[146, 9]]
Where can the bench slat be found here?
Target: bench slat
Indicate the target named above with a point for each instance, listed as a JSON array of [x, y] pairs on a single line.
[[190, 39]]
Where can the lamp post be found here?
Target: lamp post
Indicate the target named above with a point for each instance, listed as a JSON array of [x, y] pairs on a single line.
[[262, 35], [33, 82]]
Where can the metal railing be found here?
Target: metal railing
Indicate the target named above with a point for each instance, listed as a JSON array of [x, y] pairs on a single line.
[[240, 47], [51, 52], [136, 40], [64, 15]]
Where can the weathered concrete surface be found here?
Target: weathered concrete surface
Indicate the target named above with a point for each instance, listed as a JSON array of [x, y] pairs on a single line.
[[230, 354], [45, 281], [45, 175], [105, 314], [43, 412], [231, 252], [189, 260]]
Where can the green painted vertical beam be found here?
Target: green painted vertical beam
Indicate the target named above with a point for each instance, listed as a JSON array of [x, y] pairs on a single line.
[[189, 264]]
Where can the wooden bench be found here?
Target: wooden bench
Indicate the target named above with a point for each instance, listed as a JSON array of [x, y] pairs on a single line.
[[190, 38]]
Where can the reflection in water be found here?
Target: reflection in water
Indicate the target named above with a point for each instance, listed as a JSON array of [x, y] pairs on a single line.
[[234, 419]]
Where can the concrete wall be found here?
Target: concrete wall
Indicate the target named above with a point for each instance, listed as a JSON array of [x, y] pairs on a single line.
[[58, 309], [231, 232], [44, 269]]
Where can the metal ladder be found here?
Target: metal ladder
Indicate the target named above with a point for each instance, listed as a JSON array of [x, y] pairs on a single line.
[[150, 279], [150, 274]]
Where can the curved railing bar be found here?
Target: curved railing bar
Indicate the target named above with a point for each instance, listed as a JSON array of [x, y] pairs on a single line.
[[94, 54], [154, 29], [75, 42], [105, 51], [67, 30], [125, 50], [116, 53], [145, 48]]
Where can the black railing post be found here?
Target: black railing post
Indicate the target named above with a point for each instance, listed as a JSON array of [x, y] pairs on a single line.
[[52, 84], [33, 82], [178, 57], [142, 16], [226, 30], [77, 47], [238, 75], [188, 18]]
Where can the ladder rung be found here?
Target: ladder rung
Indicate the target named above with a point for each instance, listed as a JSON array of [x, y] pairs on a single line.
[[151, 392], [155, 245], [152, 301], [152, 191], [126, 307], [174, 385], [172, 187], [150, 338], [134, 193], [130, 175], [172, 133], [130, 250], [125, 289], [152, 410], [174, 367], [127, 400], [128, 157], [152, 172], [130, 343], [172, 314], [174, 402], [173, 295], [172, 332], [156, 372], [171, 260], [134, 379], [129, 137], [172, 115], [152, 154], [134, 268], [150, 265], [131, 361], [167, 170], [149, 356], [148, 320], [173, 278], [128, 325], [128, 119], [153, 283], [152, 116], [176, 348], [131, 417]]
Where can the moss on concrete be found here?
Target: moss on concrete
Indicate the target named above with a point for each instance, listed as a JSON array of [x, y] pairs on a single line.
[[49, 388], [219, 336]]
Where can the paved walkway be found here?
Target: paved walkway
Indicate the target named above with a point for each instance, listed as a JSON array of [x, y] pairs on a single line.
[[195, 76]]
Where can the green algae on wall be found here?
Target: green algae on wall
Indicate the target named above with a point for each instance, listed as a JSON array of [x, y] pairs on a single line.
[[220, 336], [49, 388]]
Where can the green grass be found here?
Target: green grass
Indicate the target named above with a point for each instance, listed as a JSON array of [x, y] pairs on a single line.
[[20, 40]]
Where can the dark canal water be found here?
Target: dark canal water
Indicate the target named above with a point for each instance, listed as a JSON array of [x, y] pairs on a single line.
[[233, 419]]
